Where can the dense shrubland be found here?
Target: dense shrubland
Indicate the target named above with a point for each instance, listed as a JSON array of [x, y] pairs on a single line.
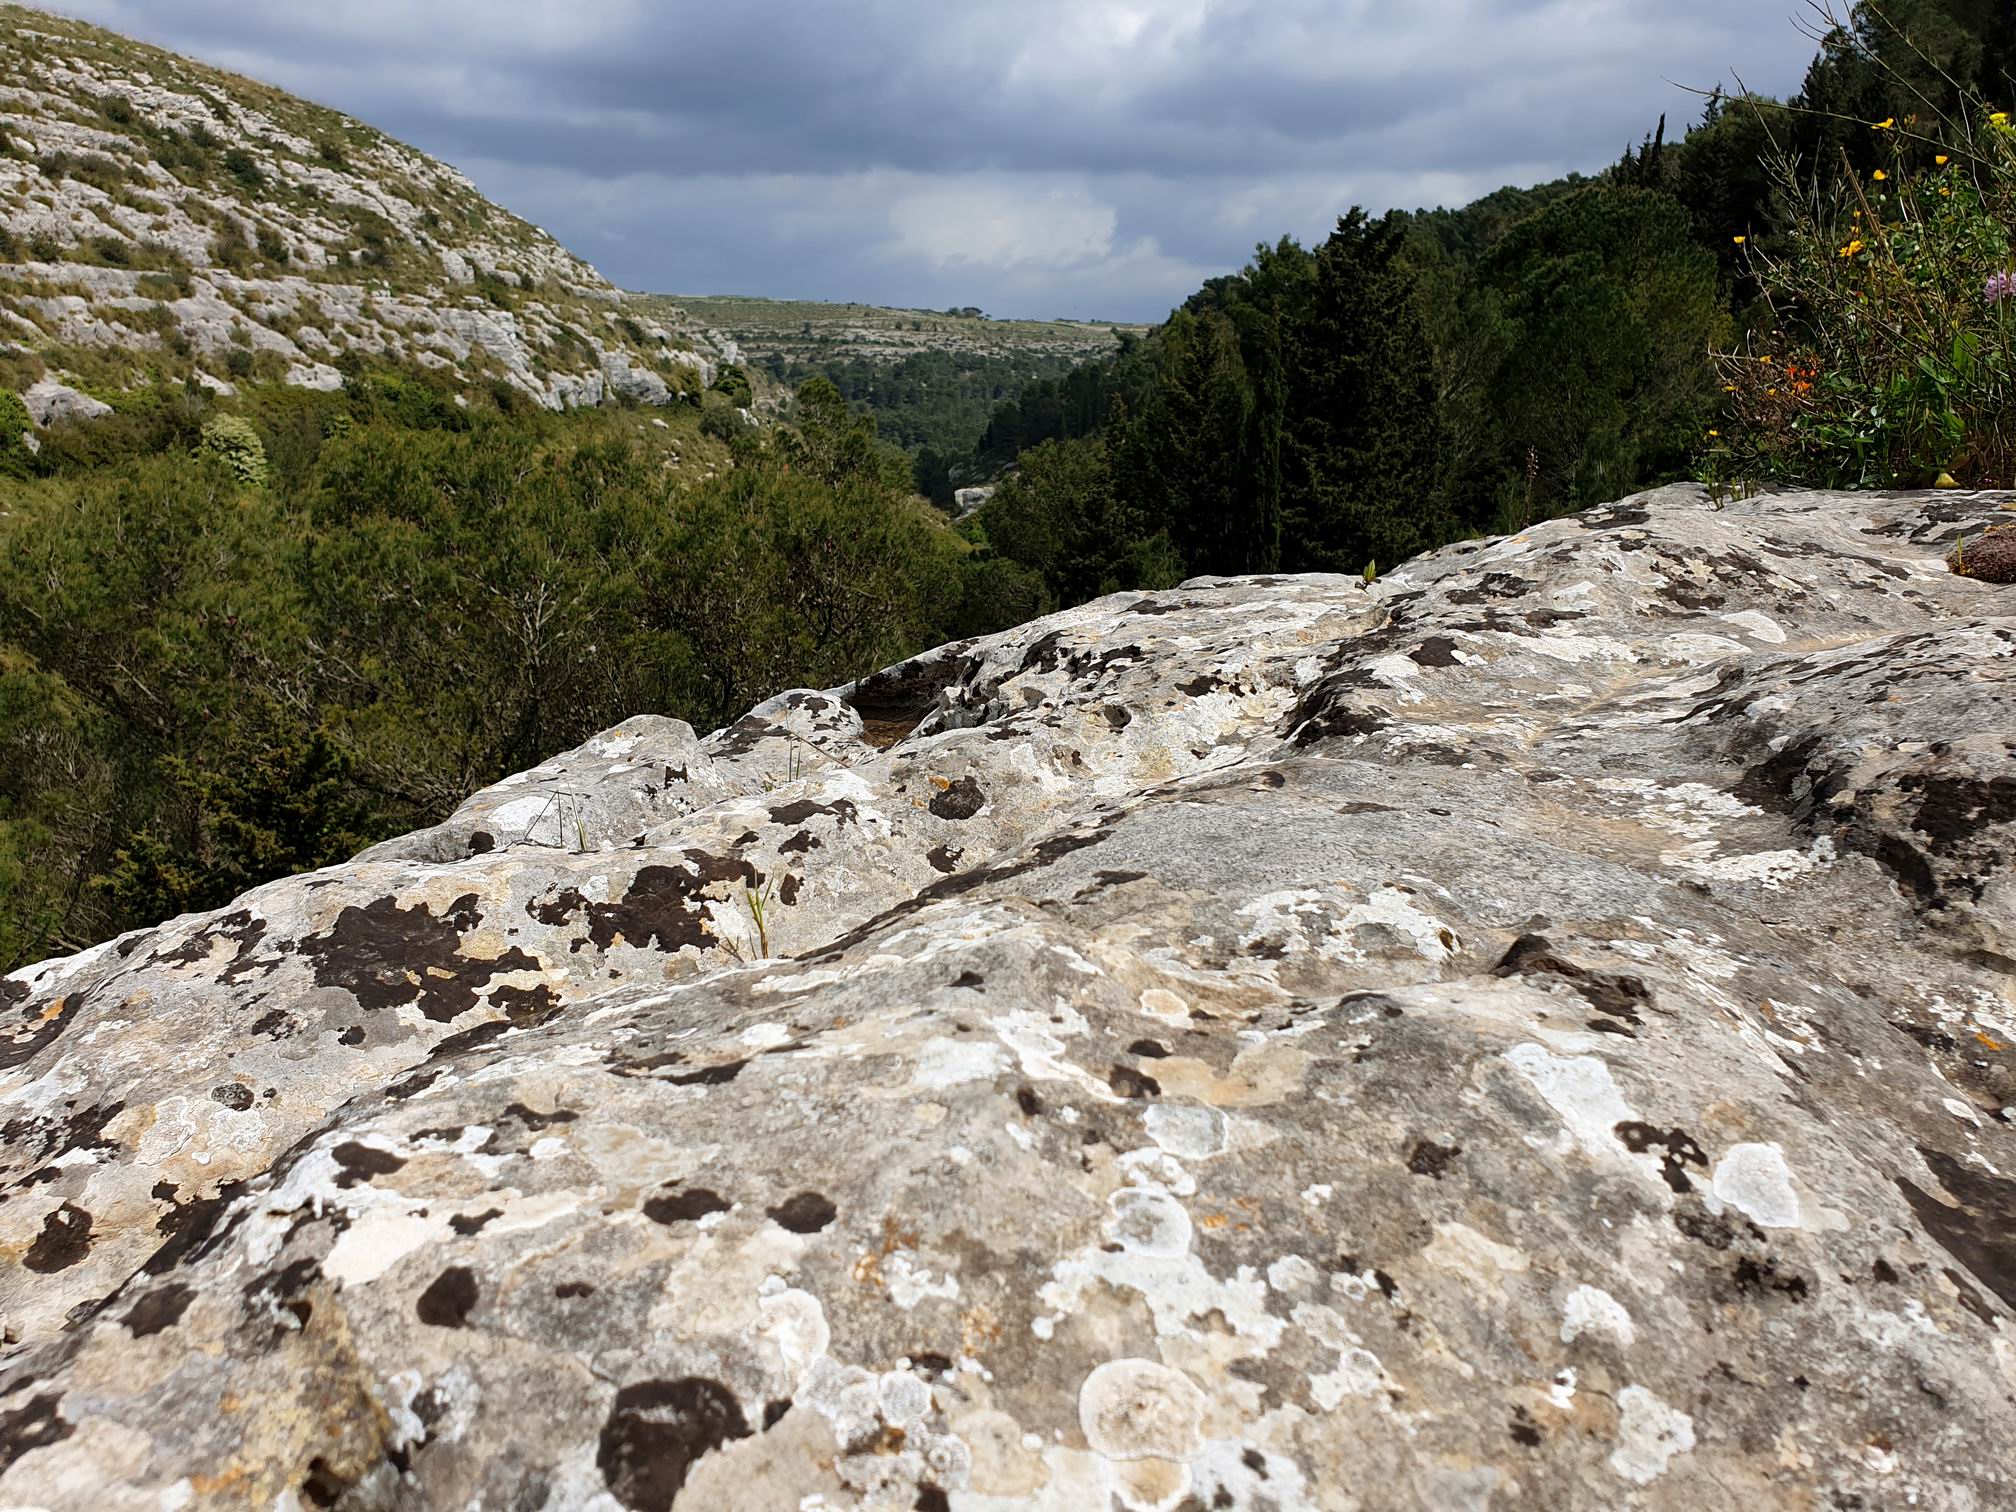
[[238, 643]]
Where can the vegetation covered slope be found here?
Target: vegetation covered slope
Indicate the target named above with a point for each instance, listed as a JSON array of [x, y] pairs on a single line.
[[163, 220]]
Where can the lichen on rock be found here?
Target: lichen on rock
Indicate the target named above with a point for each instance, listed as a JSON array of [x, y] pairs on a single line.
[[1533, 1030]]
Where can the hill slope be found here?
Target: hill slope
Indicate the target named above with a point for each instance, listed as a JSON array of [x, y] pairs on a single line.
[[163, 219], [1274, 1036]]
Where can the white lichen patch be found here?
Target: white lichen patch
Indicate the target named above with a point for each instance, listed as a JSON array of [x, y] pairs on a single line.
[[1580, 1090], [1591, 1310], [1755, 1180], [1141, 1409], [1649, 1435]]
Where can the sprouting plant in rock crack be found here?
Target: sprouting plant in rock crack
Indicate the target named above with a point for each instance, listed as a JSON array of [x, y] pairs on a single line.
[[756, 903]]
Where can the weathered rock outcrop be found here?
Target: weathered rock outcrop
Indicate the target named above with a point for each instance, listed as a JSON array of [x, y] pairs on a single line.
[[1536, 1030]]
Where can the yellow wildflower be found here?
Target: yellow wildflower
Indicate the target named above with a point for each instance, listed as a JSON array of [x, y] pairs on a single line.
[[1740, 240], [1886, 125], [1945, 193], [2000, 118], [1852, 248], [1714, 433], [1881, 175], [1942, 160]]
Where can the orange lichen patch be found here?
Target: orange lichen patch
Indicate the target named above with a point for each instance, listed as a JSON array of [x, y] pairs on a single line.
[[978, 1328]]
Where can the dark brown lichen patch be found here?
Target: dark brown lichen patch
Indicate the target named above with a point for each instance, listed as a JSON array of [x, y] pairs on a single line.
[[958, 800], [531, 1118], [234, 1095], [1759, 1276], [527, 1007], [33, 1424], [1428, 1158], [360, 1163], [65, 1239], [688, 1206], [1679, 1151], [160, 1309], [657, 1431], [1622, 997], [1130, 1083], [667, 907], [37, 1138], [386, 956], [804, 1213], [449, 1299], [705, 1076], [27, 1027], [1954, 808], [1980, 1231], [798, 811], [240, 929]]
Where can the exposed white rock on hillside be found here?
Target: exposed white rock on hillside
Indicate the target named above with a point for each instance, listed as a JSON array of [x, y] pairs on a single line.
[[1536, 1030], [157, 214]]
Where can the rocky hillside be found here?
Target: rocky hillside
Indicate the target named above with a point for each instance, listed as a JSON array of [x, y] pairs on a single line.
[[798, 331], [1535, 1030], [160, 219]]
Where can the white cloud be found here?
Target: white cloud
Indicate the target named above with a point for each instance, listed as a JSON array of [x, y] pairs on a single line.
[[1045, 157], [992, 224]]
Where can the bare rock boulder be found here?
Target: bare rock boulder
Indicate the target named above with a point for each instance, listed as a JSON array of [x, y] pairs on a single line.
[[49, 401]]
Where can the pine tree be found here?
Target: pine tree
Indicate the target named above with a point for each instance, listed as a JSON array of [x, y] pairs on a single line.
[[1362, 435]]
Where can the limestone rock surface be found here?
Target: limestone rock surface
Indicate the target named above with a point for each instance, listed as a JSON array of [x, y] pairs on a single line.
[[1537, 1030], [49, 401]]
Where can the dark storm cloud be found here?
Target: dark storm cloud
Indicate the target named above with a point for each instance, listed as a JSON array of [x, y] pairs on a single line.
[[1037, 157]]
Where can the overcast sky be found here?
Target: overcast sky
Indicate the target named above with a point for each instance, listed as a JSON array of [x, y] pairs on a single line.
[[1090, 158]]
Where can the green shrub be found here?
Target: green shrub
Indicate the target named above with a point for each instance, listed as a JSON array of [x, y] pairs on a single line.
[[272, 245], [1888, 356], [244, 167], [734, 383], [231, 440], [13, 423], [45, 246], [719, 420]]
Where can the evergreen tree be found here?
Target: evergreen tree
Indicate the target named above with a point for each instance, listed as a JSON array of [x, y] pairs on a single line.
[[1362, 434]]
